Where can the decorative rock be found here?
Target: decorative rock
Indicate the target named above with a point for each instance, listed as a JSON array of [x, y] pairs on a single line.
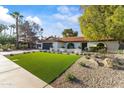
[[108, 62], [92, 63]]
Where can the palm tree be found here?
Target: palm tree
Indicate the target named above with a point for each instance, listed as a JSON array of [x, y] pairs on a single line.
[[1, 27], [17, 16], [4, 28]]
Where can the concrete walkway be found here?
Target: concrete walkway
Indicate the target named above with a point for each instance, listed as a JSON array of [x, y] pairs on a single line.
[[16, 52], [14, 76]]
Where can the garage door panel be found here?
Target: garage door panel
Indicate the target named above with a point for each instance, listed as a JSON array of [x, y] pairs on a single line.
[[47, 46]]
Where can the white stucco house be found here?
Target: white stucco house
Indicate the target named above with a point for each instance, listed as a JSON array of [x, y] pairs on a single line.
[[75, 44]]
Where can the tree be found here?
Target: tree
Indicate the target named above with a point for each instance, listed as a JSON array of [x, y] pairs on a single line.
[[30, 32], [18, 18], [12, 27], [1, 27], [37, 29], [115, 24], [6, 39], [69, 33], [96, 21]]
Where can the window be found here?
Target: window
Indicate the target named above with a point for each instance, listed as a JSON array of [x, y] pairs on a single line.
[[70, 46]]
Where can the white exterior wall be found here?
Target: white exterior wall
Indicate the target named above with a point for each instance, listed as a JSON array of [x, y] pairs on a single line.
[[40, 44], [111, 45], [57, 45], [76, 44]]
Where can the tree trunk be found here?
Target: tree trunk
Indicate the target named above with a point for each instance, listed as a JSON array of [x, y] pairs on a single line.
[[17, 34]]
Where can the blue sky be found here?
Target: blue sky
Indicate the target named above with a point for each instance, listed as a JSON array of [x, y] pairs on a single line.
[[53, 18]]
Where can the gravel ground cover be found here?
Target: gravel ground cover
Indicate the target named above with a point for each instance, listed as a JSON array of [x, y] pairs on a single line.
[[94, 76]]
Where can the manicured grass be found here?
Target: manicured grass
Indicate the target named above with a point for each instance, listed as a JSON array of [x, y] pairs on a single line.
[[46, 66]]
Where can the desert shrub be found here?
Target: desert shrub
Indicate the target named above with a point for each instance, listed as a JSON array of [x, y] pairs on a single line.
[[23, 46], [5, 47], [102, 51], [93, 49], [12, 46], [82, 64], [120, 51], [28, 52], [79, 47], [72, 52], [63, 47], [24, 52], [11, 54], [77, 53], [81, 53], [70, 77], [68, 53], [54, 52]]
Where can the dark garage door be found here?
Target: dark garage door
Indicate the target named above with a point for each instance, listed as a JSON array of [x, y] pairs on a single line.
[[47, 46]]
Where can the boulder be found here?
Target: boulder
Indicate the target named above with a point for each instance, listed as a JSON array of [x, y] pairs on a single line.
[[107, 62], [87, 57], [92, 63]]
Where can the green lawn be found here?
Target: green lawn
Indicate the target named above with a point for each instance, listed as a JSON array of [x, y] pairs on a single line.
[[46, 66]]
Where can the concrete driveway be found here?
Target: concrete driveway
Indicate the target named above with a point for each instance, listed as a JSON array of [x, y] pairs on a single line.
[[14, 76]]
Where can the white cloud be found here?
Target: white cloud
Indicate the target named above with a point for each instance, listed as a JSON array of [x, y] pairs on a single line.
[[59, 26], [67, 14], [66, 9], [54, 29], [34, 19], [63, 9], [5, 18], [60, 16], [73, 19]]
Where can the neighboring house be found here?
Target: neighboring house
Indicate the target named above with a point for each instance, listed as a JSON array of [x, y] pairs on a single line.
[[74, 44]]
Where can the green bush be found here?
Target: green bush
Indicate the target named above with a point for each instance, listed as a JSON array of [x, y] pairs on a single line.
[[68, 53], [102, 50], [12, 46], [0, 46], [5, 48], [5, 39], [98, 49], [93, 49], [11, 54], [23, 46], [24, 52]]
